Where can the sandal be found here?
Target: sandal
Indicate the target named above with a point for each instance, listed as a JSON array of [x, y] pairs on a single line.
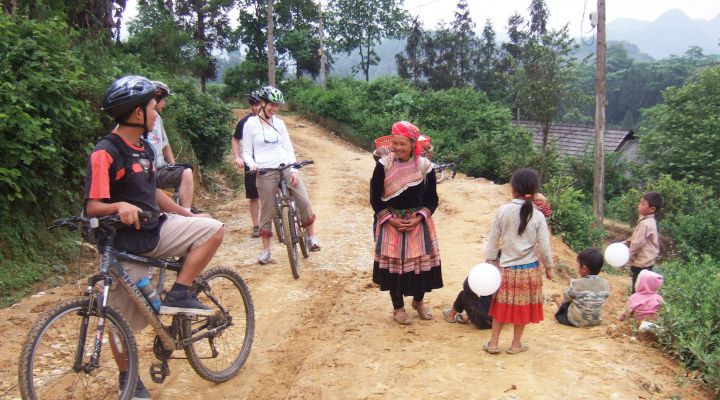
[[523, 347], [491, 350], [422, 310], [458, 317], [401, 317]]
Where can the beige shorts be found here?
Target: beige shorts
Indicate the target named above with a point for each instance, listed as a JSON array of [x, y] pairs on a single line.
[[178, 236]]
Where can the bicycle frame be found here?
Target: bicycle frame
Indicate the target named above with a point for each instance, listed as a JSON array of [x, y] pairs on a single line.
[[110, 265]]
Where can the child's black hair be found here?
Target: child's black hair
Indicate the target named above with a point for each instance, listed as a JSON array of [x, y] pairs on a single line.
[[525, 182], [655, 200], [592, 259]]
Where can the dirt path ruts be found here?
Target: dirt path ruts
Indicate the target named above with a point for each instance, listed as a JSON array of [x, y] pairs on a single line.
[[330, 335]]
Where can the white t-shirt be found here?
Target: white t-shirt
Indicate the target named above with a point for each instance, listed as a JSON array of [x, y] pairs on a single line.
[[159, 140], [264, 146]]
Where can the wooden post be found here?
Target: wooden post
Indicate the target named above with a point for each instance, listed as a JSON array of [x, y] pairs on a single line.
[[599, 173], [271, 45], [323, 81]]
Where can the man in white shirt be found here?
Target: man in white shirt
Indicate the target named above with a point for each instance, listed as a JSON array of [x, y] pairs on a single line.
[[169, 175]]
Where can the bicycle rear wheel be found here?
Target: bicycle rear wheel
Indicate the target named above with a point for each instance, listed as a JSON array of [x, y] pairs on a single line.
[[291, 240], [220, 356], [48, 358]]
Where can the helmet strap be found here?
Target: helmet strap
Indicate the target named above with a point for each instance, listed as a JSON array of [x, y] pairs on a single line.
[[136, 125]]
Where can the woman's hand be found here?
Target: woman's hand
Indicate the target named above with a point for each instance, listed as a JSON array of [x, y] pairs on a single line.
[[409, 224], [293, 179], [239, 162]]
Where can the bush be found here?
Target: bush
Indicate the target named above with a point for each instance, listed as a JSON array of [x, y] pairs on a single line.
[[572, 218], [204, 121], [689, 316]]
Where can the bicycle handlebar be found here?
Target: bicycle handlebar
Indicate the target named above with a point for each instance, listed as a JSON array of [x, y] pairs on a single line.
[[74, 222], [297, 165]]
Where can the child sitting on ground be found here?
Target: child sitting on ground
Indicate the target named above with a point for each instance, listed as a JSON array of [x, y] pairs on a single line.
[[476, 308], [583, 301], [645, 303]]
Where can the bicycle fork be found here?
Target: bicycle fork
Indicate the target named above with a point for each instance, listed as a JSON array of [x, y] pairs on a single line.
[[99, 330]]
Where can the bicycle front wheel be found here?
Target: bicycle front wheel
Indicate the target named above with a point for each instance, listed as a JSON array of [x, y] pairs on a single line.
[[55, 359], [277, 221], [439, 175], [219, 356], [291, 240]]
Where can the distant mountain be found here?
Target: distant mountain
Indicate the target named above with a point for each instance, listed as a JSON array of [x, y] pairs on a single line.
[[587, 48], [670, 34]]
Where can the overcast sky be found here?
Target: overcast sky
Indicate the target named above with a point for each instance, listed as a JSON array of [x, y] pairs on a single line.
[[561, 11]]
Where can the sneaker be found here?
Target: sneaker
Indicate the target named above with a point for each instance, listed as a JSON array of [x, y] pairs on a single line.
[[256, 231], [313, 244], [141, 392], [264, 257], [180, 301]]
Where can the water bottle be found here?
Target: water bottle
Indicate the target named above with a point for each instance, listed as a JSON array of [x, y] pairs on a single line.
[[150, 293]]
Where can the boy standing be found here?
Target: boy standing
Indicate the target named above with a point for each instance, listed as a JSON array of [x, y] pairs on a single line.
[[583, 301], [644, 243]]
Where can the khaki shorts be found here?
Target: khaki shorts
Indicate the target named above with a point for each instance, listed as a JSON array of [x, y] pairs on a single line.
[[178, 236]]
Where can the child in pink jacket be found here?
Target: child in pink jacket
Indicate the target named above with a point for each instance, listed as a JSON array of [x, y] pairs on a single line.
[[645, 303]]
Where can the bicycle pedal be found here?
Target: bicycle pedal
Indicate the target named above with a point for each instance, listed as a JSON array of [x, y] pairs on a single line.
[[158, 372]]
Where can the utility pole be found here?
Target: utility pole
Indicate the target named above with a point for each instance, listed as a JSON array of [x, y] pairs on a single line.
[[599, 173], [271, 44], [323, 81]]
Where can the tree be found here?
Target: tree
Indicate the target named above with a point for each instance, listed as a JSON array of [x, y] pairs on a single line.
[[680, 137], [208, 22], [156, 37], [297, 33], [97, 17], [409, 63], [546, 79], [362, 24], [465, 46], [486, 78]]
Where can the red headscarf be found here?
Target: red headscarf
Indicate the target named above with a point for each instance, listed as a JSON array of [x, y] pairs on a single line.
[[410, 131]]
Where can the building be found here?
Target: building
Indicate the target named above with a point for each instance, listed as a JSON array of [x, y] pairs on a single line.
[[574, 140]]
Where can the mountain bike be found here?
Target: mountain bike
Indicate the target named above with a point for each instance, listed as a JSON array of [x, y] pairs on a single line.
[[286, 220], [441, 167], [71, 351]]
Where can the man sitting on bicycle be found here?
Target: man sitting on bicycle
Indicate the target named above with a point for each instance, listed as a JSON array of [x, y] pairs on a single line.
[[121, 180], [266, 144], [169, 175]]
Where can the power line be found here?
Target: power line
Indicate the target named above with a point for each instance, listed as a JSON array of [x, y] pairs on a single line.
[[423, 5]]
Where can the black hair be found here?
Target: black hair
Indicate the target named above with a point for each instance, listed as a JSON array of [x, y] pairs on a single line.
[[592, 259], [525, 182], [655, 200]]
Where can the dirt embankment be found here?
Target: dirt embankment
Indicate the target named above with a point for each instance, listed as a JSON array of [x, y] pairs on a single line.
[[330, 334]]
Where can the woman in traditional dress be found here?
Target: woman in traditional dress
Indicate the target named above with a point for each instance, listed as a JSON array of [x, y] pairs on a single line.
[[403, 196]]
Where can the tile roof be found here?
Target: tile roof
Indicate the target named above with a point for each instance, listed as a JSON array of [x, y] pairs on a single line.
[[573, 140]]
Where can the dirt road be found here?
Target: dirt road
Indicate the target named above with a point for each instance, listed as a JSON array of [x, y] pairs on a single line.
[[330, 334]]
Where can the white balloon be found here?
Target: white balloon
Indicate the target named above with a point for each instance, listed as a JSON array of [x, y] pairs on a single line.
[[617, 254], [484, 279]]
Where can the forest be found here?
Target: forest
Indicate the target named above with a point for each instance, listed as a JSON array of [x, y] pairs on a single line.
[[462, 88]]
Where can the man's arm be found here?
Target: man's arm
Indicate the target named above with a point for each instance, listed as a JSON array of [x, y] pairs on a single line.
[[237, 152], [166, 204], [168, 154], [128, 213]]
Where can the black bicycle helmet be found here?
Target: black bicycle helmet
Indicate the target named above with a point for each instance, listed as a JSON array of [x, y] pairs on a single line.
[[254, 97], [161, 90], [126, 94]]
